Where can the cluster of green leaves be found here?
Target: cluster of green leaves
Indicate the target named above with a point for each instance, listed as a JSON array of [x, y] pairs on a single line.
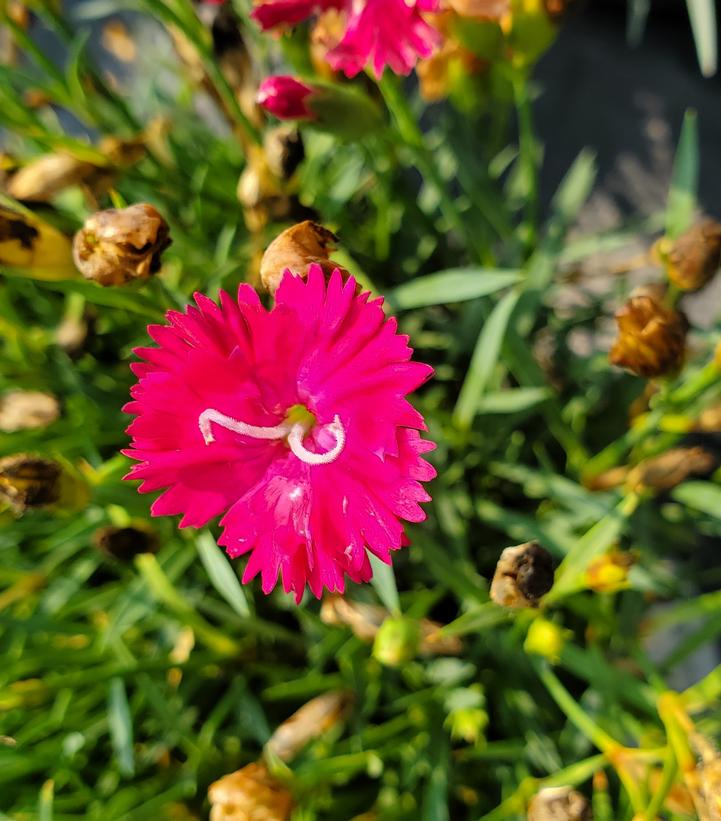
[[126, 689]]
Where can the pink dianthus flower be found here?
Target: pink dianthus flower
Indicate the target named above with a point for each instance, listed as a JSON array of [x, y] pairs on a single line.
[[292, 422], [378, 33]]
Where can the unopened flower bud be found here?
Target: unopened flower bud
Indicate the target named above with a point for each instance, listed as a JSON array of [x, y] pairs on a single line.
[[294, 250], [366, 619], [467, 718], [125, 543], [652, 337], [559, 804], [665, 472], [609, 573], [28, 481], [285, 97], [249, 794], [312, 721], [344, 111], [284, 150], [523, 575], [547, 639], [397, 641], [694, 257], [117, 246], [23, 410]]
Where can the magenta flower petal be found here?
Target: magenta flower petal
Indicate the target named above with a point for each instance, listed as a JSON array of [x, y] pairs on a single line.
[[293, 424], [378, 33]]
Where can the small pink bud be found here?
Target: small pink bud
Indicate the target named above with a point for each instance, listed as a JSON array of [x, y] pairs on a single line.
[[285, 98]]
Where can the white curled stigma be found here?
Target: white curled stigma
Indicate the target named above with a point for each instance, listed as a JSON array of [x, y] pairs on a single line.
[[294, 433]]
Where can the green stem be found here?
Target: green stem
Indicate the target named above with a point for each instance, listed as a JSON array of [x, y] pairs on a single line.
[[163, 590], [413, 137], [670, 769], [528, 153]]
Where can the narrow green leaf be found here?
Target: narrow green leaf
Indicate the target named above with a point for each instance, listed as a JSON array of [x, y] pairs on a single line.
[[569, 576], [46, 800], [701, 496], [513, 400], [384, 582], [222, 575], [681, 202], [636, 16], [484, 359], [702, 14], [119, 298], [476, 620], [121, 727], [453, 285]]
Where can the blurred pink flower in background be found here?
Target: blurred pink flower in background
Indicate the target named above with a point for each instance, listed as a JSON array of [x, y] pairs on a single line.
[[285, 97], [292, 422], [378, 33]]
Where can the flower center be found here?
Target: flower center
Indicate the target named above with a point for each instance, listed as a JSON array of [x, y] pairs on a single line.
[[297, 423]]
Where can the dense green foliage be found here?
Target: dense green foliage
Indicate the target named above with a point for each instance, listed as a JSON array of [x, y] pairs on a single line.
[[129, 685]]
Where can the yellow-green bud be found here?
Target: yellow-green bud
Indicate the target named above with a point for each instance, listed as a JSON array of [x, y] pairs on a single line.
[[397, 641]]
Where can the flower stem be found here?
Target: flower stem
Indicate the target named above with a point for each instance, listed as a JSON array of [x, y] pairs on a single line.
[[413, 137]]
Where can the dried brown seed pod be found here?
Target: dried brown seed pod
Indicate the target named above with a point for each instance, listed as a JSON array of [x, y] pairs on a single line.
[[523, 575], [652, 338], [313, 720], [668, 470], [295, 249], [559, 804], [28, 481], [694, 257], [284, 150], [250, 794], [22, 410], [118, 246], [124, 543]]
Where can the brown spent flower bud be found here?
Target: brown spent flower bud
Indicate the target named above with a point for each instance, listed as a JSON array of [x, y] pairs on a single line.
[[250, 794], [709, 420], [116, 39], [665, 472], [559, 804], [523, 575], [117, 246], [125, 543], [365, 620], [313, 720], [557, 9], [694, 257], [23, 410], [295, 250], [284, 150], [652, 338], [28, 481]]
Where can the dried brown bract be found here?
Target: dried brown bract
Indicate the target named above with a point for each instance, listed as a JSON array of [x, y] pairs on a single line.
[[559, 804], [28, 481], [652, 337], [117, 246], [250, 794], [313, 720], [22, 410], [664, 472], [523, 575], [124, 543], [295, 250], [694, 257]]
